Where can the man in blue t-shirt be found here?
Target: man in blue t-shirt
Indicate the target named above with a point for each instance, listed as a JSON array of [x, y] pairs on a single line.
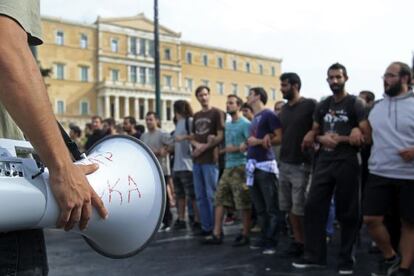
[[261, 168], [232, 190]]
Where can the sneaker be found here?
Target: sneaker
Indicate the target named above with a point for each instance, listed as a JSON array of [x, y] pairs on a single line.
[[257, 244], [346, 269], [401, 272], [387, 266], [241, 240], [269, 250], [212, 239], [164, 228], [229, 220], [295, 250], [303, 263], [179, 225]]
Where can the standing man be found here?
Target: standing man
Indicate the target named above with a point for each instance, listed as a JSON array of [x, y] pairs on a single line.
[[232, 190], [294, 165], [261, 168], [158, 141], [129, 125], [391, 179], [247, 111], [336, 171], [183, 163], [208, 128], [97, 132], [22, 89]]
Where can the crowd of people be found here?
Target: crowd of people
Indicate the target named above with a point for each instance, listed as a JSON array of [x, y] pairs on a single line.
[[346, 158]]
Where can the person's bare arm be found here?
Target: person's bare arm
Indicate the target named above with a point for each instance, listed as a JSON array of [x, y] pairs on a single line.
[[310, 136], [24, 95]]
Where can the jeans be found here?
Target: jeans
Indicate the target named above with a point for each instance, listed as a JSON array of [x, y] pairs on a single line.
[[205, 178], [23, 253], [265, 200]]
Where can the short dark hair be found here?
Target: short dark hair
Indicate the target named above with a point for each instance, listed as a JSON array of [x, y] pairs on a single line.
[[76, 130], [140, 128], [183, 108], [404, 71], [200, 88], [96, 117], [110, 122], [292, 78], [338, 66], [370, 95], [149, 113], [131, 120], [239, 101], [246, 105], [261, 92]]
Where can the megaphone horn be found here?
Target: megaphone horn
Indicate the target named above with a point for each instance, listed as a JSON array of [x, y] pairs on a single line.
[[129, 181]]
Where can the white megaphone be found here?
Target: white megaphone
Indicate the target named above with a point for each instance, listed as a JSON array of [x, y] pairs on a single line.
[[129, 181]]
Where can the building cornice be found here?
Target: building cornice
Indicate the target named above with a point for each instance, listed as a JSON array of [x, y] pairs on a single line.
[[67, 21], [229, 51]]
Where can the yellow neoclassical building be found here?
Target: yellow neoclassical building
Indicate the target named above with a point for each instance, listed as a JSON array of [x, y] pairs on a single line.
[[107, 68]]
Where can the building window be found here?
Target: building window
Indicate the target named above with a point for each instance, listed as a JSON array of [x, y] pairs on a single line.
[[205, 60], [151, 48], [114, 45], [141, 111], [189, 58], [261, 69], [142, 75], [220, 88], [248, 67], [60, 107], [234, 64], [133, 74], [60, 38], [114, 75], [60, 71], [189, 84], [273, 71], [133, 45], [167, 54], [234, 88], [142, 47], [246, 90], [168, 81], [151, 76], [84, 41], [205, 82], [220, 62], [84, 73], [84, 108], [273, 94]]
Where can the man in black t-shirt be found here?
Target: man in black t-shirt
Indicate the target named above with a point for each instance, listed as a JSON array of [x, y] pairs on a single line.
[[294, 167], [336, 172]]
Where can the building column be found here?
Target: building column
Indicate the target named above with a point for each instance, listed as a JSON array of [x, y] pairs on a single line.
[[126, 106], [116, 106], [99, 103], [163, 110], [145, 106], [107, 110], [136, 108]]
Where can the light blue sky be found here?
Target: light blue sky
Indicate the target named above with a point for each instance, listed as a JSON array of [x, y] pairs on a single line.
[[364, 35]]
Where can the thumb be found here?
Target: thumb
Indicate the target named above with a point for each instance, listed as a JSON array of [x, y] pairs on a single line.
[[89, 169]]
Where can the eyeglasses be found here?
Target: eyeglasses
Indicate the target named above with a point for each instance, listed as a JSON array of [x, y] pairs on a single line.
[[389, 76]]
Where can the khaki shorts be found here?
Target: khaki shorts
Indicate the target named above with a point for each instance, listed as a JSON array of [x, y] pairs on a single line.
[[232, 190], [292, 186]]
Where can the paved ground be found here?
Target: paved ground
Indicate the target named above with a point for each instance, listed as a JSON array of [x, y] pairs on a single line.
[[179, 253]]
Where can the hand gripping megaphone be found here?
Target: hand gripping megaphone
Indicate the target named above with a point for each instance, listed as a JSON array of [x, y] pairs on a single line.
[[129, 181]]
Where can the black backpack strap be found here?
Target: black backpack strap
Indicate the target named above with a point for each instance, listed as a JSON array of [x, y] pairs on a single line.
[[72, 147], [187, 125]]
